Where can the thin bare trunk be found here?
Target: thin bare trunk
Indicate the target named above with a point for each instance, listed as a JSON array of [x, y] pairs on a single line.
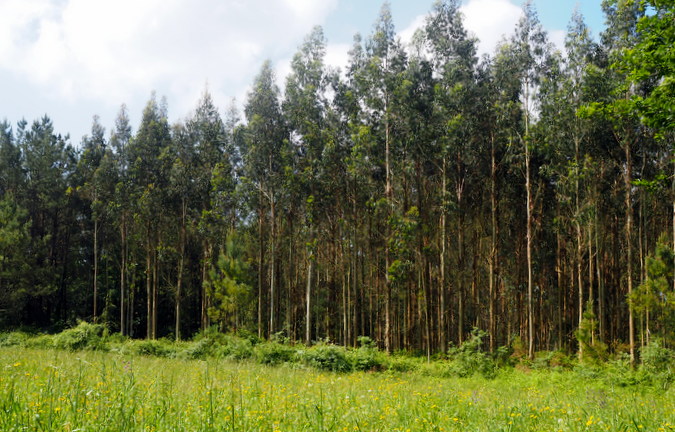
[[261, 266], [442, 287], [494, 266], [123, 276], [528, 191], [389, 197], [148, 287], [181, 265], [628, 176], [95, 270], [308, 300]]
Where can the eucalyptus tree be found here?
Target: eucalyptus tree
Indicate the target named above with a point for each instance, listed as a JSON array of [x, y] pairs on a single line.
[[93, 179], [182, 188], [453, 55], [304, 108], [616, 107], [121, 208], [212, 184], [381, 75], [148, 173], [567, 144], [265, 150], [530, 49]]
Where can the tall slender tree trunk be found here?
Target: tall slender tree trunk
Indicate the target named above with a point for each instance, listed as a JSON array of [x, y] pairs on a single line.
[[155, 291], [123, 275], [95, 269], [272, 260], [148, 286], [528, 191], [628, 177], [308, 300], [389, 198], [181, 266], [443, 240], [206, 263], [560, 278], [261, 267], [577, 226], [460, 271], [591, 293], [494, 264]]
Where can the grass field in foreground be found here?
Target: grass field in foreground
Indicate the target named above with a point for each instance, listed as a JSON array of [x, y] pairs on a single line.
[[43, 390]]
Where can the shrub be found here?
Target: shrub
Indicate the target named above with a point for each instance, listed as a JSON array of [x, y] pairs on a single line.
[[470, 358], [273, 353], [234, 348], [204, 347], [367, 357], [13, 339], [403, 364], [552, 359], [655, 357], [327, 357], [83, 336], [154, 348], [657, 364], [41, 341]]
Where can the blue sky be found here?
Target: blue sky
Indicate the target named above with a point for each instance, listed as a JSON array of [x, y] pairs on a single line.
[[72, 59]]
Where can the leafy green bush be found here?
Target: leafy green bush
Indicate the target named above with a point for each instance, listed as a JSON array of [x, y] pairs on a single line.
[[43, 341], [204, 347], [235, 348], [327, 357], [16, 338], [83, 336], [657, 364], [470, 357], [273, 353], [552, 360], [154, 348], [367, 359], [403, 364], [656, 358]]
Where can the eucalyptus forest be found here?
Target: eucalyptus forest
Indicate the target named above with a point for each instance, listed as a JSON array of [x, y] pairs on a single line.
[[416, 193]]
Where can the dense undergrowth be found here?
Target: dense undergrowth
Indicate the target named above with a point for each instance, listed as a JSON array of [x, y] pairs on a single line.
[[657, 367]]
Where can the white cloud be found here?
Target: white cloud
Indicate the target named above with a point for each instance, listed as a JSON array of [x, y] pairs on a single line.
[[112, 51], [407, 33], [337, 56], [557, 37], [490, 20]]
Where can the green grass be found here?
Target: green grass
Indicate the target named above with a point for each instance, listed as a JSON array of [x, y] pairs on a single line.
[[47, 390]]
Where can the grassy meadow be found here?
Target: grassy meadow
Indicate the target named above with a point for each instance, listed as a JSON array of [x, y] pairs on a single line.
[[51, 389]]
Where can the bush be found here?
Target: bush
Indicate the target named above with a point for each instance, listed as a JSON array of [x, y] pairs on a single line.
[[552, 359], [367, 357], [13, 339], [656, 358], [234, 348], [204, 347], [83, 336], [403, 364], [41, 341], [327, 357], [154, 348], [273, 353], [657, 364], [470, 358]]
